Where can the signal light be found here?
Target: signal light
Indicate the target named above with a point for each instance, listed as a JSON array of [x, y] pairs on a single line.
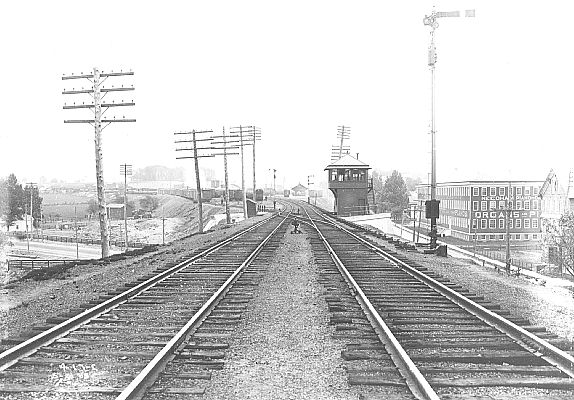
[[432, 209]]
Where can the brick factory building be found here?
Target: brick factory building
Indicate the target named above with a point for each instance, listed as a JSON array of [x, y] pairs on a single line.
[[477, 209]]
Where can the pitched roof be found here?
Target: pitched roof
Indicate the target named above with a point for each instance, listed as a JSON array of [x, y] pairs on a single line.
[[347, 161], [298, 188]]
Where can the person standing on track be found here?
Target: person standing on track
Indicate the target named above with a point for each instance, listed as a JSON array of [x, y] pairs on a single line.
[[295, 224]]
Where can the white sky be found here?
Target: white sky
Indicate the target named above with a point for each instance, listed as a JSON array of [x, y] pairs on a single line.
[[297, 69]]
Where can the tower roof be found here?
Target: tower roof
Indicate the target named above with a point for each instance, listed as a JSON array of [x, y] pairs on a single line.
[[347, 161]]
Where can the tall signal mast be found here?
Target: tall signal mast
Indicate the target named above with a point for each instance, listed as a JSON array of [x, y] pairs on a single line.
[[432, 206]]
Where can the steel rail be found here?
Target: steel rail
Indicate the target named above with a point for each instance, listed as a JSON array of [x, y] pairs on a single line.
[[416, 382], [12, 355], [137, 388], [539, 347]]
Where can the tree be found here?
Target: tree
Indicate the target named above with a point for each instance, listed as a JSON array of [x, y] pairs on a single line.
[[394, 195], [149, 203], [560, 236], [378, 187], [14, 209], [93, 207], [3, 198], [412, 183]]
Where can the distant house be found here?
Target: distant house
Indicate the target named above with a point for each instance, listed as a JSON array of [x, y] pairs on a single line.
[[555, 201], [17, 226], [299, 190]]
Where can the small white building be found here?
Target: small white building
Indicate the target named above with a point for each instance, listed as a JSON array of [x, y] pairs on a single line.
[[17, 226]]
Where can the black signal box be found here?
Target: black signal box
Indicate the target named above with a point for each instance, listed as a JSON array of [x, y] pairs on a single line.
[[431, 208]]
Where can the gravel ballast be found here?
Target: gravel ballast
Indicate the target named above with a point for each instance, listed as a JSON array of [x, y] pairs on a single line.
[[283, 348]]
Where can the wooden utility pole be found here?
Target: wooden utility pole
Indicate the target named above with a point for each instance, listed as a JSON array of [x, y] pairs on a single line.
[[125, 170], [162, 226], [244, 134], [224, 145], [243, 174], [31, 232], [256, 132], [507, 213], [97, 79], [196, 156], [309, 188], [76, 229], [343, 132]]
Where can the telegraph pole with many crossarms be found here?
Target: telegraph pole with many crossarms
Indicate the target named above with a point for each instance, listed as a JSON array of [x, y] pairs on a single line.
[[225, 145], [343, 132], [196, 156], [247, 136], [98, 92]]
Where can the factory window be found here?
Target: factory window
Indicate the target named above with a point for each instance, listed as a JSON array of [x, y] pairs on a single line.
[[501, 204], [535, 191], [534, 223], [526, 236], [483, 205], [527, 223], [535, 204], [527, 191], [484, 191], [482, 224], [500, 223], [475, 191], [518, 223], [534, 236], [519, 191], [502, 191], [492, 205], [474, 224], [527, 204], [501, 237], [517, 236], [519, 204], [491, 224], [511, 223], [493, 191]]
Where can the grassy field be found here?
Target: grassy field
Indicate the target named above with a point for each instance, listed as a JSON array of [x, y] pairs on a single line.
[[62, 205]]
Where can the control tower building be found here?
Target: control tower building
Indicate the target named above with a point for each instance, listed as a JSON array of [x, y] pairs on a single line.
[[349, 181]]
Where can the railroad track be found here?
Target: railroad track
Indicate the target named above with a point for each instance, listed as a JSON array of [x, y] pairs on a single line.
[[159, 337], [444, 341]]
